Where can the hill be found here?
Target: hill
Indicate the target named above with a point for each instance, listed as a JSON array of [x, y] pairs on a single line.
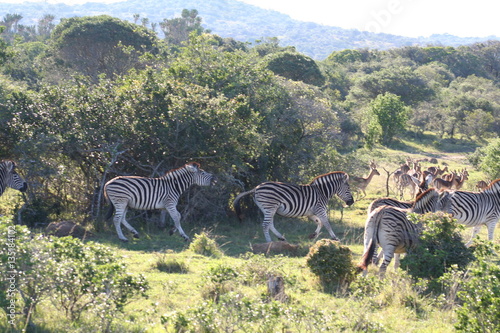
[[241, 21]]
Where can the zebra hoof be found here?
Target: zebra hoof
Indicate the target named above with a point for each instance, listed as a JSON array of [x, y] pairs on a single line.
[[136, 235], [312, 236], [124, 240], [283, 239]]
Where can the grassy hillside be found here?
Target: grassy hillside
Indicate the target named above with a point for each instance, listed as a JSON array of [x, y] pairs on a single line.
[[205, 295]]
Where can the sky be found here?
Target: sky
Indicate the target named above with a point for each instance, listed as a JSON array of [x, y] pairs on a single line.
[[412, 18]]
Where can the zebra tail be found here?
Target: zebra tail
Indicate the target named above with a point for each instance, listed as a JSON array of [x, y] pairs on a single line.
[[366, 259], [236, 203], [111, 210]]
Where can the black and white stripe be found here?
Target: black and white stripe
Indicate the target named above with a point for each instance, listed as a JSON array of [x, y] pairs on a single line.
[[390, 228], [153, 193], [10, 178], [292, 200], [474, 209]]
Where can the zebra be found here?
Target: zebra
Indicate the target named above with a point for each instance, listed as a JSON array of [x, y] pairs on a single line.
[[473, 209], [10, 178], [153, 193], [390, 228], [290, 200], [386, 201]]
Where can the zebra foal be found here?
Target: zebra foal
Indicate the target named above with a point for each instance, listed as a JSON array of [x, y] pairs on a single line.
[[474, 209], [153, 193], [10, 178], [290, 200], [390, 228]]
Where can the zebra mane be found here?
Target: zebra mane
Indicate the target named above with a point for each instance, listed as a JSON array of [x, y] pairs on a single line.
[[425, 195], [328, 174], [493, 187], [177, 170]]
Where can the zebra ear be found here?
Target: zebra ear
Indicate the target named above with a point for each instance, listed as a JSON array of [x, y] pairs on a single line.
[[193, 167], [10, 165]]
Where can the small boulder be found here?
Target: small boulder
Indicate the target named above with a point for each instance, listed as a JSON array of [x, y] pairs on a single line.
[[67, 228]]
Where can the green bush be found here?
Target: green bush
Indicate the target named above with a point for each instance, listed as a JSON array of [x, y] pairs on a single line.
[[204, 245], [480, 294], [78, 277], [218, 282], [440, 248], [332, 263], [170, 265]]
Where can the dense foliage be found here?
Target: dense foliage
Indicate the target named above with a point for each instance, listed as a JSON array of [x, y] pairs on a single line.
[[332, 263], [441, 247], [249, 114], [77, 277]]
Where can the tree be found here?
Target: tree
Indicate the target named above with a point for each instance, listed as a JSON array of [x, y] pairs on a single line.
[[388, 117], [486, 159], [295, 66], [399, 80], [100, 45], [177, 30]]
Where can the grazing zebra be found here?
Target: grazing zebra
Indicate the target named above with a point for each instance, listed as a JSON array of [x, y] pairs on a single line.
[[390, 228], [10, 178], [292, 200], [153, 193], [473, 209]]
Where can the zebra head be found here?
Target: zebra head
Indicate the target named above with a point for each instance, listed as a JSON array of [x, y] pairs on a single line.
[[444, 202], [344, 191], [11, 178], [335, 183], [200, 176]]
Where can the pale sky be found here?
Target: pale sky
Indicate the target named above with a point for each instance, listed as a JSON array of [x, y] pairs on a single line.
[[411, 18]]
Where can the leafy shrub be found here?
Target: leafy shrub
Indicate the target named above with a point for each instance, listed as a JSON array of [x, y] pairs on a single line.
[[480, 294], [257, 267], [78, 277], [331, 262], [440, 248], [170, 265], [217, 282], [204, 245]]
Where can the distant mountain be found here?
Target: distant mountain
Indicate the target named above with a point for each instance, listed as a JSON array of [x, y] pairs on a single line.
[[241, 21]]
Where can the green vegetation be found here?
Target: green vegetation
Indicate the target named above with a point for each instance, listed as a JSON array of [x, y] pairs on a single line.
[[332, 263], [74, 114]]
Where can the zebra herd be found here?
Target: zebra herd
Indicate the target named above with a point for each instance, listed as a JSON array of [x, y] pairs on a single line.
[[387, 224]]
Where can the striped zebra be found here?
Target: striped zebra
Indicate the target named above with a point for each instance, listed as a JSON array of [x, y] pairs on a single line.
[[153, 193], [389, 202], [290, 200], [10, 178], [474, 209], [390, 228]]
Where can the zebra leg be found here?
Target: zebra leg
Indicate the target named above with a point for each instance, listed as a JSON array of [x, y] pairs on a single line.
[[388, 254], [269, 224], [475, 231], [129, 227], [396, 260], [176, 216], [318, 228], [120, 213], [491, 229], [377, 257], [328, 227]]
